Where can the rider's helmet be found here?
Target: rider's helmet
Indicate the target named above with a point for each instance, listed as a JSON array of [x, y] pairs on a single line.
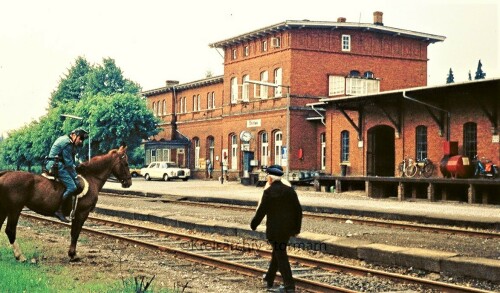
[[81, 133]]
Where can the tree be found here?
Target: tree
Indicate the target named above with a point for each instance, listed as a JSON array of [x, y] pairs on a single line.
[[72, 86], [451, 78], [111, 108], [479, 72], [116, 118]]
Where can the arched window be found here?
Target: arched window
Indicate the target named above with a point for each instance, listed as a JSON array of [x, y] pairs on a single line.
[[164, 107], [245, 92], [278, 79], [421, 142], [213, 100], [470, 140], [344, 146], [264, 148], [154, 108], [234, 90], [211, 148], [263, 88], [209, 100], [278, 147], [322, 139], [196, 144], [234, 151]]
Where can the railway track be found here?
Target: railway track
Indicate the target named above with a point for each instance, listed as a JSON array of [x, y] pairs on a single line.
[[354, 220], [312, 275]]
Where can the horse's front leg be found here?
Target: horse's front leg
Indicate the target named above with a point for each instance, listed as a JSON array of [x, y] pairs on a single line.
[[76, 228]]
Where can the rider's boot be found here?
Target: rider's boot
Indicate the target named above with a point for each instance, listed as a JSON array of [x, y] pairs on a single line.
[[59, 213]]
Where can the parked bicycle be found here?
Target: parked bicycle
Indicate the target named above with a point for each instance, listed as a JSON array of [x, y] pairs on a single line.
[[424, 167], [402, 166]]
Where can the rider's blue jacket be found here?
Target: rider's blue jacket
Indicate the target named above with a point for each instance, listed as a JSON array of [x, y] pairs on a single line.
[[65, 149]]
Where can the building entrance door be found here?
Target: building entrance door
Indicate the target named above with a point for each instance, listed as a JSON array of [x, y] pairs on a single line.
[[380, 159]]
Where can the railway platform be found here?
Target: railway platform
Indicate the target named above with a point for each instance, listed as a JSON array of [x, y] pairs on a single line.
[[345, 203]]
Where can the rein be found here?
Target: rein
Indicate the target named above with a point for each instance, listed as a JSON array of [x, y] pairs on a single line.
[[123, 179]]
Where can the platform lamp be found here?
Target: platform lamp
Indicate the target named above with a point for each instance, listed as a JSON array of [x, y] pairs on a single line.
[[78, 118]]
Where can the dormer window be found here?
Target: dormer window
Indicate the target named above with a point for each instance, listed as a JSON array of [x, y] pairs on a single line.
[[346, 43]]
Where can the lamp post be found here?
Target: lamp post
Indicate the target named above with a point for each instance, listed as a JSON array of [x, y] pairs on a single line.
[[78, 118]]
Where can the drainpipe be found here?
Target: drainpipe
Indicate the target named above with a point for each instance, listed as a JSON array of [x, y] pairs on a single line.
[[448, 115]]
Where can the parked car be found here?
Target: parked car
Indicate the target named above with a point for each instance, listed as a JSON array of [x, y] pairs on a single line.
[[135, 172], [165, 171]]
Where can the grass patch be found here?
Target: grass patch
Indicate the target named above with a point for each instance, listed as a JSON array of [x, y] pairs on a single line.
[[43, 272]]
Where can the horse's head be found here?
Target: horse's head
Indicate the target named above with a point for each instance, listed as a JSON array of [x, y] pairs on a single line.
[[121, 169]]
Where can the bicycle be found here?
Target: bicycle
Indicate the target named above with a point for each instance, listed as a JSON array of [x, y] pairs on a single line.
[[402, 167], [424, 167]]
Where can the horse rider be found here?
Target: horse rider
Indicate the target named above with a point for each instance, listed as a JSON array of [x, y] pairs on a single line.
[[65, 149], [281, 206]]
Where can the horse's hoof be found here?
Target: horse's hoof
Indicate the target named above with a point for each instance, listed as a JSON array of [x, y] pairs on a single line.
[[75, 259], [21, 258]]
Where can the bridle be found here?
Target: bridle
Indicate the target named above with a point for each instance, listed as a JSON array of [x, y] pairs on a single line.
[[124, 178]]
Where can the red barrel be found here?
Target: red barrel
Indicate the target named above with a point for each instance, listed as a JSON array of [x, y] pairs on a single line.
[[456, 166]]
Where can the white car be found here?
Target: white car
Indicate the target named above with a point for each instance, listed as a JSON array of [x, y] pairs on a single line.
[[165, 171]]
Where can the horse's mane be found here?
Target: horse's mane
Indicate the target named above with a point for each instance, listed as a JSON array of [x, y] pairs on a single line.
[[96, 163]]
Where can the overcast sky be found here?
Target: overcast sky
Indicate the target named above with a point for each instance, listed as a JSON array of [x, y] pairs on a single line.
[[157, 40]]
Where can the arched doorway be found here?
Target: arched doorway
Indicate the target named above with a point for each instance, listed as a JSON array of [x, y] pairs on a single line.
[[380, 152]]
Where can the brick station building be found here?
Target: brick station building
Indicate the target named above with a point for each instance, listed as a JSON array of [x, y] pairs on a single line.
[[300, 94]]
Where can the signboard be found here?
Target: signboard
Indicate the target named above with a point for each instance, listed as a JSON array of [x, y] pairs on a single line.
[[254, 123]]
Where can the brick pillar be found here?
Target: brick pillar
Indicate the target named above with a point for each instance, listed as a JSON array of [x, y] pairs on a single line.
[[401, 191], [338, 186], [368, 188], [431, 190], [471, 194], [484, 196]]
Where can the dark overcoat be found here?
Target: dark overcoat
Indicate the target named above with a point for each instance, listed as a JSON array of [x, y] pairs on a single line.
[[284, 214]]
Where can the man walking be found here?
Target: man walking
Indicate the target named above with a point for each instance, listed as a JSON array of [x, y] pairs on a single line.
[[284, 219]]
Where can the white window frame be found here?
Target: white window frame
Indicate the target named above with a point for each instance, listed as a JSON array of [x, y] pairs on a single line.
[[264, 46], [166, 154], [234, 90], [196, 153], [164, 107], [246, 51], [278, 79], [264, 149], [276, 42], [235, 54], [323, 151], [213, 100], [278, 147], [264, 77], [245, 91], [181, 106], [209, 100], [346, 43], [362, 86], [336, 85], [234, 152], [195, 104]]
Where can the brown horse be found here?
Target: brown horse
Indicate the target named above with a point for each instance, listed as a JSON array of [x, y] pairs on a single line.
[[19, 189]]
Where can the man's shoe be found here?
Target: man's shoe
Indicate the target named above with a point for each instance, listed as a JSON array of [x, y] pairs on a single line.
[[269, 284], [286, 289], [59, 214]]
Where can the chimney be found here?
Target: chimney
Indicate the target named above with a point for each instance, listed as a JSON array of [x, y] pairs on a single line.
[[377, 18], [341, 19], [170, 83]]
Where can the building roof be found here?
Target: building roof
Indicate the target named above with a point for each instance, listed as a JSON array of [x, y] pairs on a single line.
[[486, 87], [298, 24], [184, 86]]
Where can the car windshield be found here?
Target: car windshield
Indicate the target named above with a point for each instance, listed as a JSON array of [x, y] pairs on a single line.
[[171, 165]]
